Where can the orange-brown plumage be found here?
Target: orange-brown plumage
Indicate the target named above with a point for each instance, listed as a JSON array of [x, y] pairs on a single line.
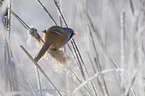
[[54, 38]]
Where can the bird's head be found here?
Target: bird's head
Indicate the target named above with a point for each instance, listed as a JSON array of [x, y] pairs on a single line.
[[69, 32]]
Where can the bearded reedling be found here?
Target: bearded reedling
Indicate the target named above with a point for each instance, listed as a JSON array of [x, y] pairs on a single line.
[[54, 38]]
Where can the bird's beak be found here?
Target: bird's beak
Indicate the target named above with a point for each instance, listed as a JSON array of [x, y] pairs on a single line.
[[44, 31], [75, 34]]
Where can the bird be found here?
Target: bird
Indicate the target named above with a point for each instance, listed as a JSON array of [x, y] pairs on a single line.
[[54, 38]]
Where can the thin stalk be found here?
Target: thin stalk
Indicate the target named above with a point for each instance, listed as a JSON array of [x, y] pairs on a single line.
[[131, 6], [75, 47], [72, 53], [94, 76], [38, 80], [59, 16], [127, 91], [122, 44], [41, 70], [79, 55], [9, 18], [11, 81], [20, 20], [91, 62], [81, 82], [60, 12], [98, 35], [47, 12], [80, 65], [98, 64], [27, 27], [97, 57], [126, 81]]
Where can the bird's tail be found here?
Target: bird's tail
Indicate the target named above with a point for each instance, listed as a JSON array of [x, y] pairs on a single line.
[[42, 51]]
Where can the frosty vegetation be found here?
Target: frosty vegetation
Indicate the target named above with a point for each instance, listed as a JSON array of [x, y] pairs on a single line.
[[105, 58]]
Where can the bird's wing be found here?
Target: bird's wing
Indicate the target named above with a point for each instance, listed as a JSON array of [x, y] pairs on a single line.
[[57, 31], [43, 50]]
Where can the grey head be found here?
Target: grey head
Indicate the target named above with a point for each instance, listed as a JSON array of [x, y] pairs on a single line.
[[69, 32]]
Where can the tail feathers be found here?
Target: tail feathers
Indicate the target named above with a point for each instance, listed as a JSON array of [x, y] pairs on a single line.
[[42, 50]]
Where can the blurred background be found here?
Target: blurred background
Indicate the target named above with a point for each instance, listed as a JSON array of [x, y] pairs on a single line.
[[106, 57]]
